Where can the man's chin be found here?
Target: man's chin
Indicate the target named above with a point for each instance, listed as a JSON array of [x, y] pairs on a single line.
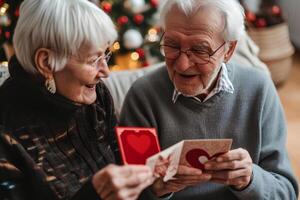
[[189, 89], [189, 93]]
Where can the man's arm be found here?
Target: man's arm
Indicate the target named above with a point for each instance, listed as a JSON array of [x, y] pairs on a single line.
[[273, 177]]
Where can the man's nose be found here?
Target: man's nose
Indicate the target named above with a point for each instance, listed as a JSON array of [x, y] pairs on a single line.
[[183, 62]]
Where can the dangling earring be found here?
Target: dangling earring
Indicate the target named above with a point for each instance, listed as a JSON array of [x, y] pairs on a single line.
[[50, 85]]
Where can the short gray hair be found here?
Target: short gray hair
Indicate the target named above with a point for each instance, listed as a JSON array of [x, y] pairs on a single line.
[[62, 26], [231, 10]]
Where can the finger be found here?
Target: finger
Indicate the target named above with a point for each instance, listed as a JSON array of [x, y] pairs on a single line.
[[134, 180], [235, 164], [193, 177], [127, 170], [236, 154], [185, 170], [231, 174]]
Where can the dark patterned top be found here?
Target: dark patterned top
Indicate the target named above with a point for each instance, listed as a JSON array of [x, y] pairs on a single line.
[[52, 146]]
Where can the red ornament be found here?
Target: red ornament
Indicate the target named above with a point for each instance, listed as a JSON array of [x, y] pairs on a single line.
[[7, 35], [122, 20], [141, 52], [154, 3], [260, 23], [250, 16], [276, 10], [107, 7], [17, 12], [138, 19], [145, 64]]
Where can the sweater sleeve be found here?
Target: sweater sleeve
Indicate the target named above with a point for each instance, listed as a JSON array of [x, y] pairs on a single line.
[[273, 177]]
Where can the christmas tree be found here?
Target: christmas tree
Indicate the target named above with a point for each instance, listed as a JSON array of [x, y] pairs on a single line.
[[135, 20], [138, 33]]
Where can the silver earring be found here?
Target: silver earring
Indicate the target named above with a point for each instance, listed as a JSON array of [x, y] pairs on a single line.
[[50, 85]]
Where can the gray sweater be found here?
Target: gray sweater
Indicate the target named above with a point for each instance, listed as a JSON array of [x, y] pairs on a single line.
[[253, 117]]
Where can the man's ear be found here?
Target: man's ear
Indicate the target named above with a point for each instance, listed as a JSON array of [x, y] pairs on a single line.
[[42, 62], [230, 51]]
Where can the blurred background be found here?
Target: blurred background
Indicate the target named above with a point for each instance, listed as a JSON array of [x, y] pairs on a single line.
[[272, 24]]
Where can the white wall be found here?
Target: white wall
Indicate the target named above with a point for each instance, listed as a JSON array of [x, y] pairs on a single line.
[[253, 5], [291, 10]]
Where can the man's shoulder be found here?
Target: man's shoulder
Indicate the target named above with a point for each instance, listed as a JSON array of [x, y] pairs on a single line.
[[247, 76], [155, 77]]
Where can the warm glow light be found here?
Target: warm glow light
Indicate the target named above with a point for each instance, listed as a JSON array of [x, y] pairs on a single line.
[[116, 46], [4, 8], [134, 56], [152, 31], [4, 63]]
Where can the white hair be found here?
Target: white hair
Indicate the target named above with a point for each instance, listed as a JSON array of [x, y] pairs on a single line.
[[231, 10], [63, 26]]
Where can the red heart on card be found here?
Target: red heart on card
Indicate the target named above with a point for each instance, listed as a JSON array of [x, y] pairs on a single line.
[[137, 144], [197, 157], [140, 143]]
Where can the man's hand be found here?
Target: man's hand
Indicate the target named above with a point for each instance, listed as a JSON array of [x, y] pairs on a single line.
[[122, 182], [186, 176], [232, 168]]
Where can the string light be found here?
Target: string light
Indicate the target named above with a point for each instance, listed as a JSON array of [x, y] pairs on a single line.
[[152, 35], [3, 9], [135, 56], [116, 46]]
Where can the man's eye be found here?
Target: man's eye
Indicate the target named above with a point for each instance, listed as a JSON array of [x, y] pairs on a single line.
[[200, 49]]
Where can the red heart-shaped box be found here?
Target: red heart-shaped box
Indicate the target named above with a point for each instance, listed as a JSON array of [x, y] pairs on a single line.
[[137, 144]]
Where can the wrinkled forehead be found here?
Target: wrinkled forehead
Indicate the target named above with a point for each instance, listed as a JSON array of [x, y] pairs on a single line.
[[205, 18]]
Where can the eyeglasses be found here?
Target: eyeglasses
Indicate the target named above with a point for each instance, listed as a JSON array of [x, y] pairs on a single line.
[[200, 55], [100, 59]]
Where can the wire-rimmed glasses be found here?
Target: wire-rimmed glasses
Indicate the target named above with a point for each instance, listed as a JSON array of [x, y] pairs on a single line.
[[200, 55]]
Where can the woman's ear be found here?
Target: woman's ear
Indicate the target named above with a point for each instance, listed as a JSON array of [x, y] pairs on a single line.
[[230, 51], [42, 62]]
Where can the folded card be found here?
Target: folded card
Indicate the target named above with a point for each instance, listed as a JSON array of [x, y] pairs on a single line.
[[193, 153], [137, 144]]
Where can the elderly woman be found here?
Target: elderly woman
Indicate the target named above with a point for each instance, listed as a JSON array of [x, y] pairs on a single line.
[[58, 115]]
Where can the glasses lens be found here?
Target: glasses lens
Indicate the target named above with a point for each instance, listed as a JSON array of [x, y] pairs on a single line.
[[200, 57], [170, 52]]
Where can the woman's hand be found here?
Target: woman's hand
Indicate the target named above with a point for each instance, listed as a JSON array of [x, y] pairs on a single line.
[[122, 182], [232, 168], [186, 176]]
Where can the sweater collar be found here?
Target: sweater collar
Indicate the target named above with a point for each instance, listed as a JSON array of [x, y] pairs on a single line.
[[33, 90]]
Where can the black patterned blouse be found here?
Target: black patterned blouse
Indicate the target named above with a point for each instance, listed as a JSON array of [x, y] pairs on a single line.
[[52, 147]]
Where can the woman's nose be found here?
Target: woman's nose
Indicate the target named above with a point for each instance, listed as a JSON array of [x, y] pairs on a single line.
[[103, 70]]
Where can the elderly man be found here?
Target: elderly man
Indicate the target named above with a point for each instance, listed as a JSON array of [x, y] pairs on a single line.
[[200, 94]]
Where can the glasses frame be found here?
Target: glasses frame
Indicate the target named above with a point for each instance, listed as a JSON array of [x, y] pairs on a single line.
[[161, 46], [101, 58]]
